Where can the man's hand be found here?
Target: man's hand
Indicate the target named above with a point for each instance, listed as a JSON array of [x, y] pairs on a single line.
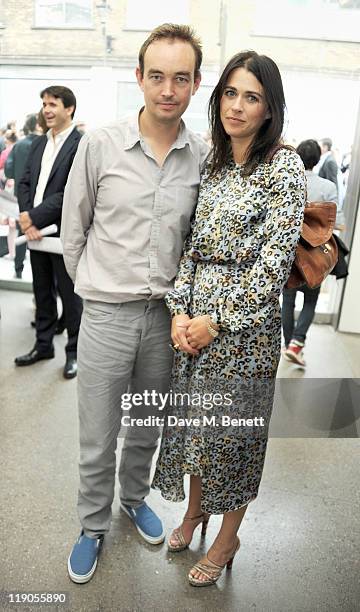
[[197, 333], [25, 221], [32, 233], [179, 326]]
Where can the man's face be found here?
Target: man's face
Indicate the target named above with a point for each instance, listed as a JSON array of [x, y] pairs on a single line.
[[57, 117], [168, 80]]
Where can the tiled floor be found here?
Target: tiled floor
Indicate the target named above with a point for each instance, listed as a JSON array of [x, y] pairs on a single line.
[[300, 538]]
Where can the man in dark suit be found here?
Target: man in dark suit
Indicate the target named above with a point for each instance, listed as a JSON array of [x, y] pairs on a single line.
[[328, 166], [40, 197]]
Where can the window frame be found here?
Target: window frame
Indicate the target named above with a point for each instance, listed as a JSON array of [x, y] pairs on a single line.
[[63, 26]]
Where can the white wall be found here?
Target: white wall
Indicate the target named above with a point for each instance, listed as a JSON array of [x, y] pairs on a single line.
[[350, 311]]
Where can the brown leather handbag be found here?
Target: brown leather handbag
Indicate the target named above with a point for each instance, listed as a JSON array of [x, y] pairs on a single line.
[[317, 251]]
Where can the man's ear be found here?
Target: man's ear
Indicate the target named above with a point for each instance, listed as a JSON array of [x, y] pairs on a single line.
[[139, 78], [197, 82]]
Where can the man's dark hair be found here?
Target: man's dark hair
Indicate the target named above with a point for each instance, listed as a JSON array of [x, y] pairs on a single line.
[[269, 135], [30, 124], [173, 31], [309, 152], [63, 93]]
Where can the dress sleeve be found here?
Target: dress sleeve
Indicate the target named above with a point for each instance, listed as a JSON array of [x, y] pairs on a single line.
[[178, 300], [249, 304]]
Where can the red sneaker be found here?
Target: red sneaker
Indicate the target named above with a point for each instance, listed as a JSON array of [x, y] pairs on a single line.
[[294, 352]]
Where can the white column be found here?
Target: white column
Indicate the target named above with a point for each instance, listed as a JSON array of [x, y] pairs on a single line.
[[349, 317]]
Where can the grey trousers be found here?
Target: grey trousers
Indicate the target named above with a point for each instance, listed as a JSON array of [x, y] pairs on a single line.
[[122, 348]]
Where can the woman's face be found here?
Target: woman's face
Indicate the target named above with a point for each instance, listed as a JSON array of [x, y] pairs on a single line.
[[243, 107]]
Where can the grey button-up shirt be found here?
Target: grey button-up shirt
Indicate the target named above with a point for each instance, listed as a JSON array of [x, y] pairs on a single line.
[[124, 217]]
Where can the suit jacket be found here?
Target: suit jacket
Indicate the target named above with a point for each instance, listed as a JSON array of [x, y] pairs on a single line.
[[49, 211], [329, 170]]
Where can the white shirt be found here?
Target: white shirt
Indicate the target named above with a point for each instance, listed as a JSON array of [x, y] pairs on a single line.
[[51, 151]]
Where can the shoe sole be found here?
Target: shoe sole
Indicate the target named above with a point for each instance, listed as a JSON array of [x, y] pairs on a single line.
[[179, 549], [294, 359], [69, 376], [78, 578], [147, 538], [21, 365]]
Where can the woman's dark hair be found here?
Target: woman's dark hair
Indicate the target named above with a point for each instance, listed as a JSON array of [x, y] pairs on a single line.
[[64, 93], [310, 153], [269, 135]]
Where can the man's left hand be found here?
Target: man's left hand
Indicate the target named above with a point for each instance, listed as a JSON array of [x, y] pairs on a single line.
[[25, 221]]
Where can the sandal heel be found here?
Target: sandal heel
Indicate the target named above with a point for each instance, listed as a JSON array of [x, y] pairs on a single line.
[[178, 533], [211, 571], [204, 525], [230, 563]]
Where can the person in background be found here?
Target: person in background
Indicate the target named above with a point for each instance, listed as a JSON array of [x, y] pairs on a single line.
[[226, 322], [328, 168], [2, 139], [14, 169], [10, 140], [318, 190], [11, 125], [127, 207], [60, 326], [40, 198]]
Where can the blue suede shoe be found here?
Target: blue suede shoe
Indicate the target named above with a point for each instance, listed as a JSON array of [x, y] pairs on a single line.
[[83, 559], [146, 522]]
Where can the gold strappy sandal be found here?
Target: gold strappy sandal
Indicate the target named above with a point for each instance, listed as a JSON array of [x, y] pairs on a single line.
[[178, 533], [211, 570]]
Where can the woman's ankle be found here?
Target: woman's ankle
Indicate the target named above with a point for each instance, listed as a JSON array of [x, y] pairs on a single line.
[[193, 512]]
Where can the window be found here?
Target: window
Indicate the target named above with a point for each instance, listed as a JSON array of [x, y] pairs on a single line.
[[63, 14], [1, 14], [142, 15], [312, 19]]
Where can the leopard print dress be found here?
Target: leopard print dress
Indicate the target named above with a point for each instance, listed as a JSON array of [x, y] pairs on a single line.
[[235, 263]]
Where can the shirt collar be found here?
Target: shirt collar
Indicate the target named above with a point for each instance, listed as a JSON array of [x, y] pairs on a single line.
[[61, 136], [133, 134]]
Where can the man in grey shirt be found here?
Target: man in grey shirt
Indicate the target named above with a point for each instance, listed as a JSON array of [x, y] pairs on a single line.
[[127, 209]]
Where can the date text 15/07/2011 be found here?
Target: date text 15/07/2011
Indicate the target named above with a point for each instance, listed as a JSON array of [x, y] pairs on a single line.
[[203, 421]]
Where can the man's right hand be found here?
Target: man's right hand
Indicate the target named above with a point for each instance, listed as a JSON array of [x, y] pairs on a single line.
[[179, 325]]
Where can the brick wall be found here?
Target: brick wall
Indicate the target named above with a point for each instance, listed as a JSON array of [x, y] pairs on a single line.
[[22, 43]]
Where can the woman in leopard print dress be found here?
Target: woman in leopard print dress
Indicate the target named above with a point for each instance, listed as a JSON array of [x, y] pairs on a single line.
[[226, 323]]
